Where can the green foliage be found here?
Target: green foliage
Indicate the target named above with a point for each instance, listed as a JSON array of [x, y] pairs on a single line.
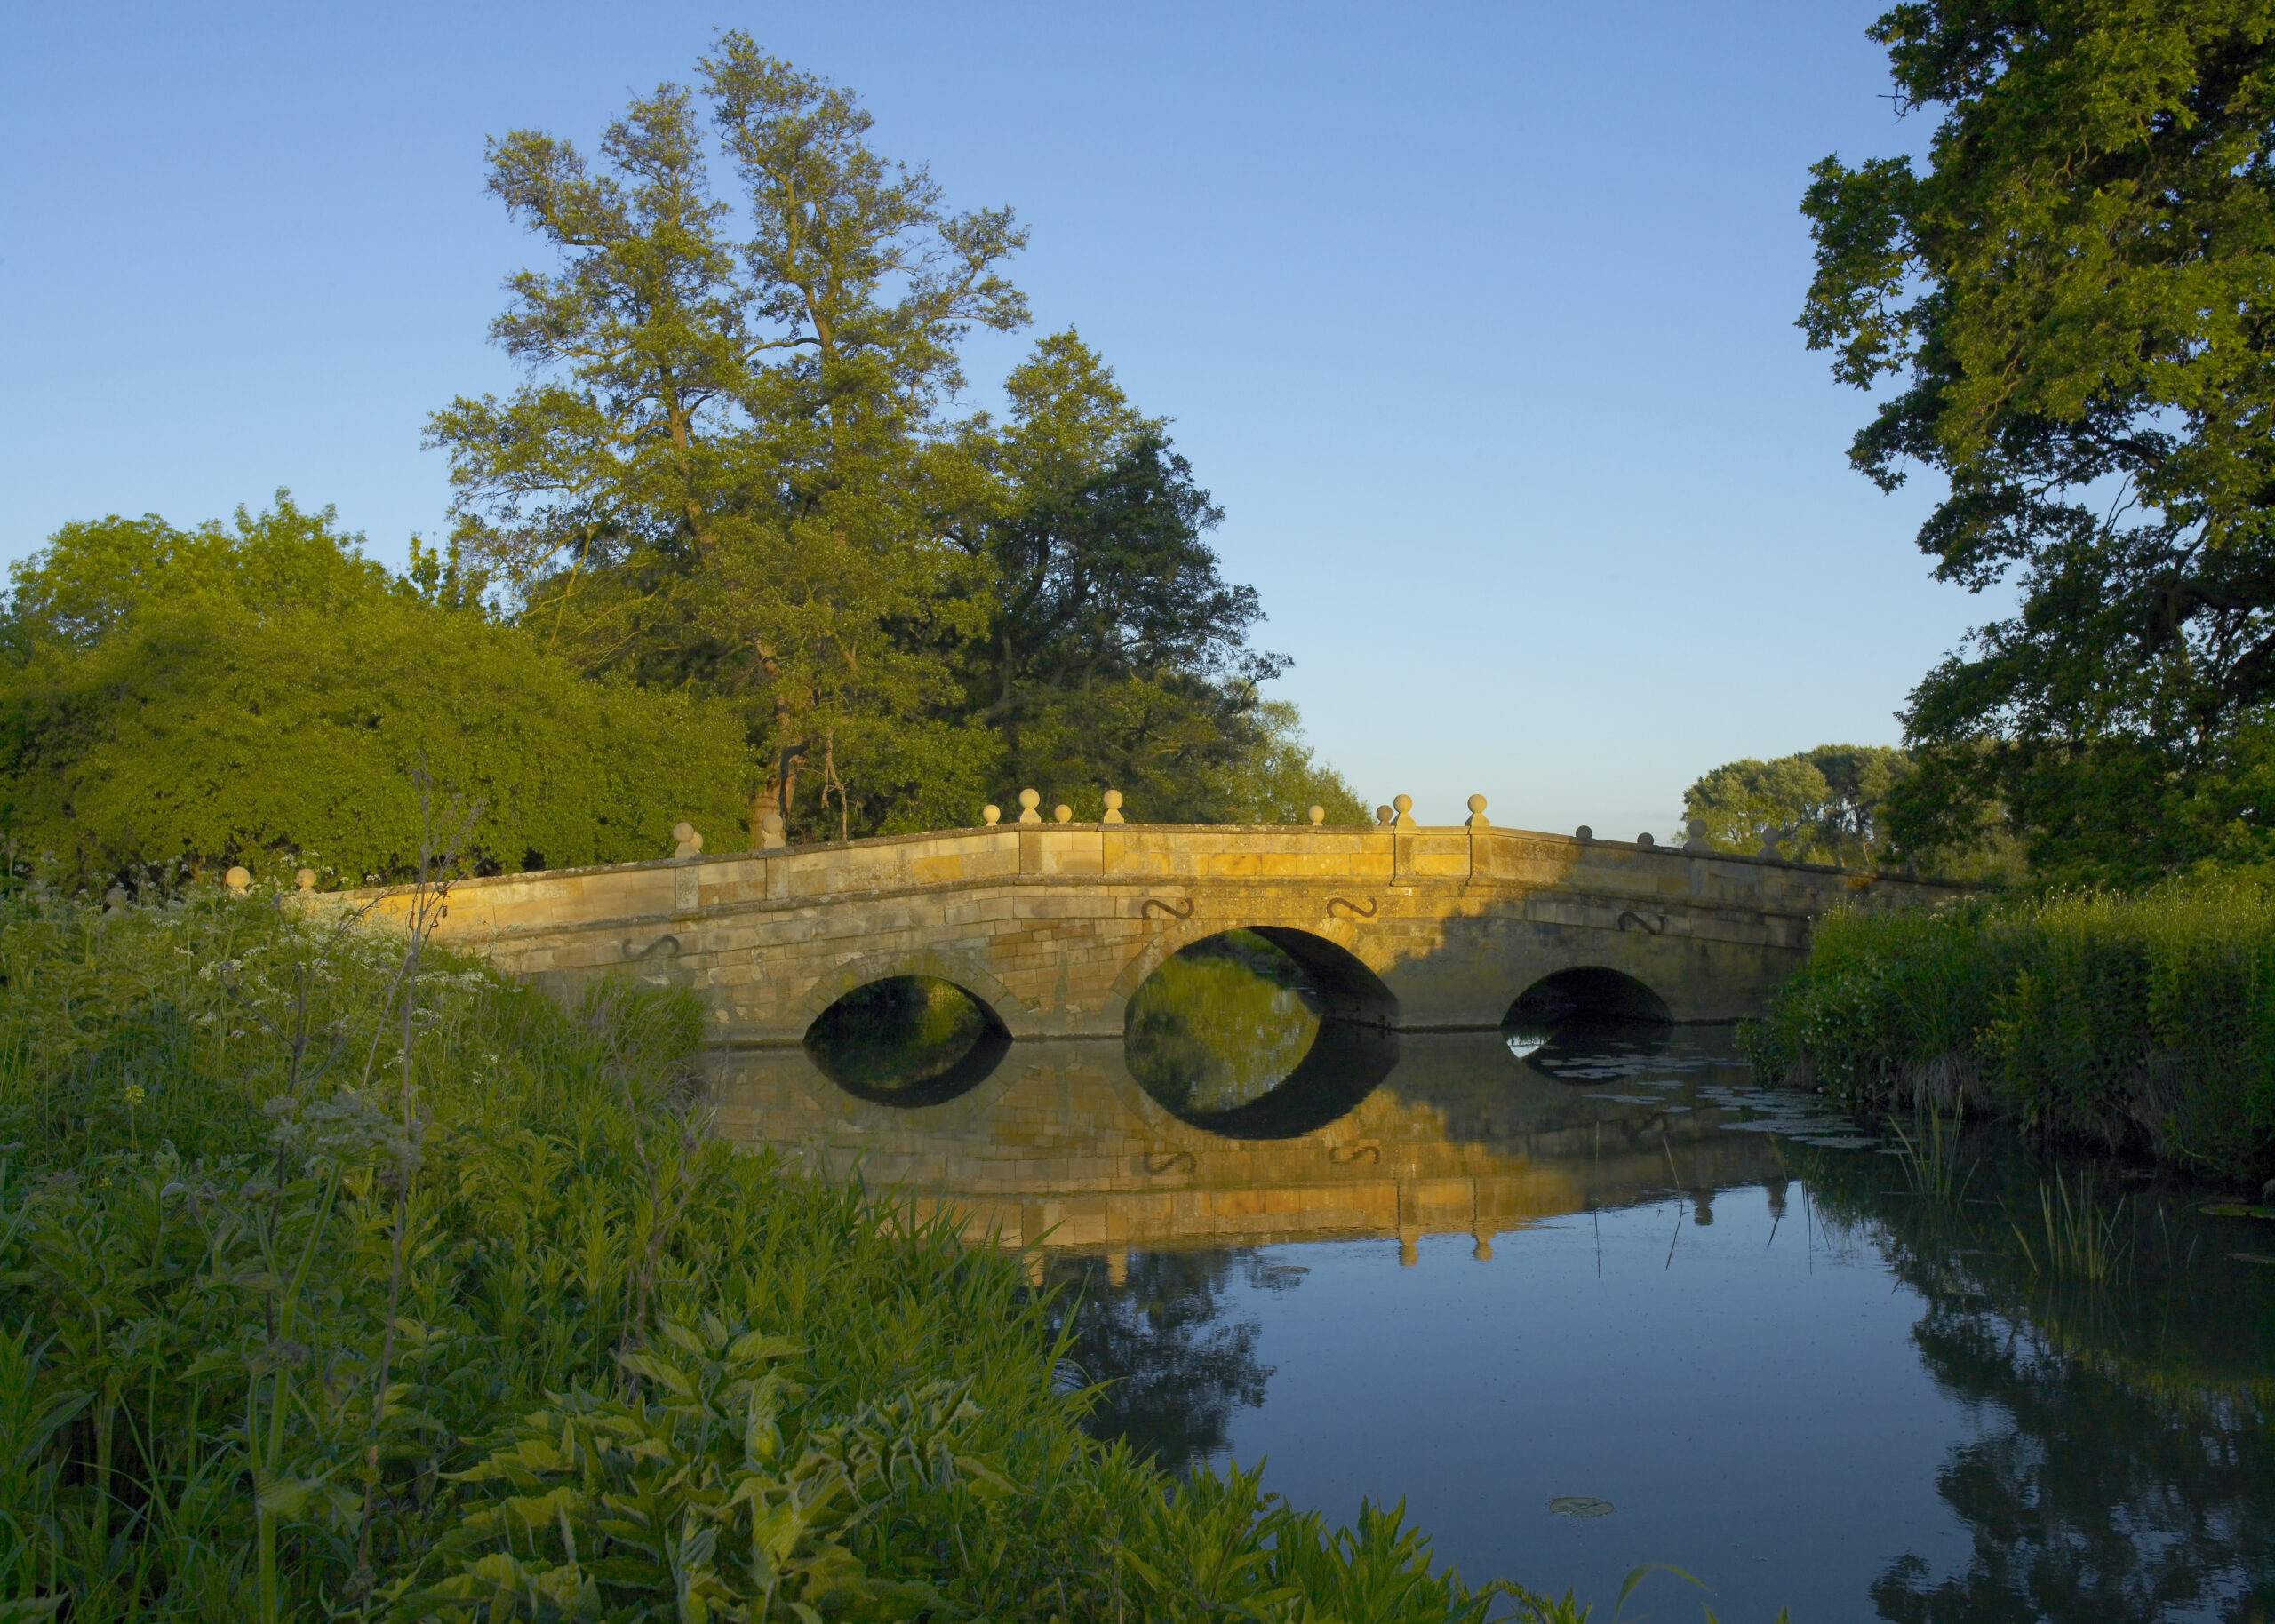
[[211, 696], [733, 468], [341, 1280], [1821, 806], [1116, 655], [1275, 778], [718, 473], [2075, 296], [2145, 1020]]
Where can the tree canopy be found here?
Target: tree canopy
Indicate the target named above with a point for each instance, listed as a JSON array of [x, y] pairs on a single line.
[[2075, 296], [215, 695], [1114, 655], [737, 467], [1825, 805]]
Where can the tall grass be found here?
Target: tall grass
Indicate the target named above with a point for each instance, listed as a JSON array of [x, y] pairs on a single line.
[[337, 1282], [2081, 1233], [2142, 1020]]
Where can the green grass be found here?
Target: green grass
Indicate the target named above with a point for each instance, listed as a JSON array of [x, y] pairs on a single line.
[[335, 1284], [2127, 1022]]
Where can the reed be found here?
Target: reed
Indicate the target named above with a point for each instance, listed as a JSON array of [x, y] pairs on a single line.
[[2143, 1021], [1930, 1155], [2080, 1234]]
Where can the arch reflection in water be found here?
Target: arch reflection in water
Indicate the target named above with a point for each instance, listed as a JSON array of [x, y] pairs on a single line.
[[908, 1040], [1252, 1037]]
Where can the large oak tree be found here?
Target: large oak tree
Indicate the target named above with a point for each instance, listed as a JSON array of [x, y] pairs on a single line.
[[2074, 296]]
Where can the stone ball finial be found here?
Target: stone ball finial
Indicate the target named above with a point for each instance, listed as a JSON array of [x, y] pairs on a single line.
[[305, 879], [1644, 841], [772, 833], [1064, 813], [1318, 814], [690, 842], [1112, 807], [1583, 834], [1405, 805], [991, 815], [237, 879], [1695, 828], [116, 898], [1382, 814], [1477, 812], [1029, 799]]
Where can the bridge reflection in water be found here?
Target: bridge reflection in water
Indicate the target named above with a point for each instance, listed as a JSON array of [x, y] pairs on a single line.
[[1062, 1148]]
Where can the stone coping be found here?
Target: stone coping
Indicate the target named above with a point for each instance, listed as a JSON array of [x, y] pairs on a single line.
[[1296, 833]]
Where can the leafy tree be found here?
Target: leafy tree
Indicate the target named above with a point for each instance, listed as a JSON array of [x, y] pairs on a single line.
[[1116, 655], [1275, 778], [211, 695], [717, 474], [2076, 295], [1822, 806]]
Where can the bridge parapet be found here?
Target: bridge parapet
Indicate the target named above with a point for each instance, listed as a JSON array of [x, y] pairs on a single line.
[[1053, 927]]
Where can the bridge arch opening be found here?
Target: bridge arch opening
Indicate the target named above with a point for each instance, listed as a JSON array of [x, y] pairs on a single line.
[[1265, 1033], [1588, 1026], [907, 1041], [1591, 992]]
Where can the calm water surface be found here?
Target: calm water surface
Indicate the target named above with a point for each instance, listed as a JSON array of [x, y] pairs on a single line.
[[1585, 1297]]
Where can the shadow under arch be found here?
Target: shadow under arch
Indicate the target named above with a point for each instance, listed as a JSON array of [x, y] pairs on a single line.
[[1587, 1025], [908, 1041], [1588, 992]]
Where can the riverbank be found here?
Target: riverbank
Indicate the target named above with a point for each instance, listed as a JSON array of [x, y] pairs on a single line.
[[341, 1282], [2133, 1022]]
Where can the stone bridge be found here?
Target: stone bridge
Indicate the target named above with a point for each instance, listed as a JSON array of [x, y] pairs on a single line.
[[1053, 927]]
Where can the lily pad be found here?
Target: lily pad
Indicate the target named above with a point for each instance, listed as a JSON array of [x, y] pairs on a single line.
[[1580, 1505], [2253, 1257], [2235, 1209]]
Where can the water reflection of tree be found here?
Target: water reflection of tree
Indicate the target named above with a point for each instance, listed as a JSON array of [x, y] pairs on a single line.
[[1177, 1367], [2124, 1467], [1220, 1023]]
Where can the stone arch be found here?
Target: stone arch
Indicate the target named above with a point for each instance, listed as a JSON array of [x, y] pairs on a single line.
[[1583, 992], [1334, 953], [1009, 1013]]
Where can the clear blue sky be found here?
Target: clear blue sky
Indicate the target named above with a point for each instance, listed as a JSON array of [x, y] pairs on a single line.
[[1477, 319]]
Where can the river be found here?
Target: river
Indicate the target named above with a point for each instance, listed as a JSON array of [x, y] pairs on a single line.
[[1586, 1295]]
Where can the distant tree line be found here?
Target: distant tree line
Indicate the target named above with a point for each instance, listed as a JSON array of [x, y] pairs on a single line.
[[1838, 804], [731, 550]]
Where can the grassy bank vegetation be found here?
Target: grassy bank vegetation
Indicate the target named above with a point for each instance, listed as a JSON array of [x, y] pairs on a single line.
[[2141, 1020], [339, 1280]]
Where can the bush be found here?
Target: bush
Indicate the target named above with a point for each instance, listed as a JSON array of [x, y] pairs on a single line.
[[207, 697], [340, 1279], [2145, 1020]]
